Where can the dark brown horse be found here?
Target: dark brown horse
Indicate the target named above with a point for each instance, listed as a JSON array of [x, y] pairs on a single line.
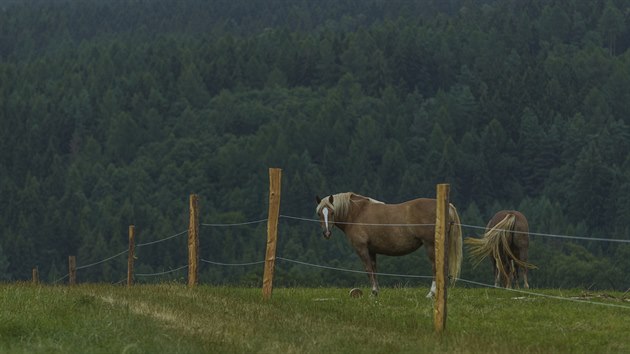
[[506, 240], [373, 227]]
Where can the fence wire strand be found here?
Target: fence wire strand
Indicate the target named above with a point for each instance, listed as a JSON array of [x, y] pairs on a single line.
[[102, 261], [161, 240], [161, 273], [232, 264], [282, 216], [298, 218], [62, 278], [426, 277], [352, 270], [236, 224], [472, 227], [329, 267], [554, 235]]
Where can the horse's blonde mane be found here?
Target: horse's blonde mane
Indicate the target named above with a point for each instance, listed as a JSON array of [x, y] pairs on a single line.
[[342, 203]]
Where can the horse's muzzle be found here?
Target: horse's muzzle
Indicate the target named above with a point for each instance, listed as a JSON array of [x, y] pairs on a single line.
[[326, 234]]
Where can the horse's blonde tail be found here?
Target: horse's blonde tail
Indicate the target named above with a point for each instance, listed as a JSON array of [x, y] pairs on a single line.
[[455, 245], [493, 242]]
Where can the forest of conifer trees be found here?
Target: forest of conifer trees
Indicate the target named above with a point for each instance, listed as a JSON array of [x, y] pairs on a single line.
[[113, 112]]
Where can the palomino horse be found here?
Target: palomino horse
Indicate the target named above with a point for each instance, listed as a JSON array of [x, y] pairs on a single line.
[[373, 227], [506, 239]]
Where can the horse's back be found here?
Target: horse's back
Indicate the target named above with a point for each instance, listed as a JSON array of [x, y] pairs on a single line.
[[422, 209], [416, 211], [391, 229], [521, 226]]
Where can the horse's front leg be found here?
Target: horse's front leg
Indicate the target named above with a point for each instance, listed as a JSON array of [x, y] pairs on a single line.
[[373, 274], [369, 262], [430, 249]]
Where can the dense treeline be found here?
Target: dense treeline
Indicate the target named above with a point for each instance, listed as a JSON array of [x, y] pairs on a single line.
[[112, 113]]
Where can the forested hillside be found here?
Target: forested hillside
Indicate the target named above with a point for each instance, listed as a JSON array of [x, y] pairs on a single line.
[[113, 112]]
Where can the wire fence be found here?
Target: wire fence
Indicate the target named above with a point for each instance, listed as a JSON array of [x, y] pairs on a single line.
[[556, 235], [326, 267], [471, 227]]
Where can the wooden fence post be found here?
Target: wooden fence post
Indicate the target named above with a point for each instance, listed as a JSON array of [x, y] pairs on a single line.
[[275, 176], [35, 276], [193, 242], [441, 266], [72, 270], [132, 249]]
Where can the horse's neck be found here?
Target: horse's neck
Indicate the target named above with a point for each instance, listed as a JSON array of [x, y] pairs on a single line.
[[352, 209], [343, 222]]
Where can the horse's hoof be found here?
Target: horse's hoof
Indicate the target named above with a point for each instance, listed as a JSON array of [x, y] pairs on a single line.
[[430, 295], [375, 293]]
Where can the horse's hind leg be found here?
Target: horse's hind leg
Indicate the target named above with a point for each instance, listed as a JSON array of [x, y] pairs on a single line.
[[497, 273], [523, 257], [516, 273], [508, 272], [512, 277]]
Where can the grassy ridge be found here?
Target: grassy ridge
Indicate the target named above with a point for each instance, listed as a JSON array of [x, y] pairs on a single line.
[[170, 318]]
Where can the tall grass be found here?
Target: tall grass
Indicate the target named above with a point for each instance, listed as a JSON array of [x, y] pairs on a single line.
[[169, 318]]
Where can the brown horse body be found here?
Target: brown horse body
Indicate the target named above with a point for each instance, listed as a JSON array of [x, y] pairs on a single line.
[[373, 228], [506, 240]]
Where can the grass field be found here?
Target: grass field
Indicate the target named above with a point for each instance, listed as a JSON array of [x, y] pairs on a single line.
[[169, 318]]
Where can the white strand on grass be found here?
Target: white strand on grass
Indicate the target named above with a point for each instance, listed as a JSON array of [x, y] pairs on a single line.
[[542, 295]]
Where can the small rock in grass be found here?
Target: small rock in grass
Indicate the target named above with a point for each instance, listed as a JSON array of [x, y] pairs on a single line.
[[356, 292]]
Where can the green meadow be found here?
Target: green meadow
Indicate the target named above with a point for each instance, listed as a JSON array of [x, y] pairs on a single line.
[[170, 318]]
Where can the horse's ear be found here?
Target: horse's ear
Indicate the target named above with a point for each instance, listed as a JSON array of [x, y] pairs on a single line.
[[318, 199], [330, 199]]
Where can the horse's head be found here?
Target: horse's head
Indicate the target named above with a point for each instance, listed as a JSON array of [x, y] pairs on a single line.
[[326, 212]]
